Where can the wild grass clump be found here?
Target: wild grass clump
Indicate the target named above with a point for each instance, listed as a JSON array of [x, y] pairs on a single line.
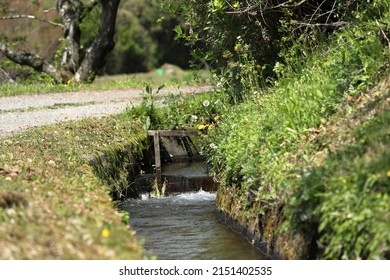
[[176, 111]]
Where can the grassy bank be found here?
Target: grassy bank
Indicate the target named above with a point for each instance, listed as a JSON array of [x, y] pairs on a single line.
[[303, 182], [52, 206], [342, 191]]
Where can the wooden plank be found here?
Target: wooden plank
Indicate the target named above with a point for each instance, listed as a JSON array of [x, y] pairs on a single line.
[[174, 133], [157, 151], [157, 157]]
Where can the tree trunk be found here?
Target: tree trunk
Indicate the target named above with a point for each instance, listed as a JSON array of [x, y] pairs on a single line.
[[103, 43], [70, 12], [73, 67]]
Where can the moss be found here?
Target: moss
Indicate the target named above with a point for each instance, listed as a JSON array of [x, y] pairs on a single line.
[[118, 167]]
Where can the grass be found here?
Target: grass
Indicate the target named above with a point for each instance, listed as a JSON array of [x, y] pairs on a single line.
[[154, 79], [52, 206], [303, 163], [341, 185], [116, 82]]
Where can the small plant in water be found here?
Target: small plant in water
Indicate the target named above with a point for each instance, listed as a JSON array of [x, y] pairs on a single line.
[[156, 193]]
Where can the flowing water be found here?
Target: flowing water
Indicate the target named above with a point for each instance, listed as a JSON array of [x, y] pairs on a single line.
[[186, 226]]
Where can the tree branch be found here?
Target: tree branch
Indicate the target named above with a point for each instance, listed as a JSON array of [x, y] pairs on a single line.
[[331, 11], [88, 8], [332, 24], [33, 17], [29, 59], [383, 33], [286, 4], [315, 12], [49, 10]]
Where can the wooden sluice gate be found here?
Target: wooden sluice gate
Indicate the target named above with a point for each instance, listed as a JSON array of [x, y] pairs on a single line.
[[157, 134], [178, 181]]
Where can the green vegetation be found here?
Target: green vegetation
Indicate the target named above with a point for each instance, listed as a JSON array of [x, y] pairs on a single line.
[[298, 159], [267, 27], [144, 38], [262, 149], [345, 194]]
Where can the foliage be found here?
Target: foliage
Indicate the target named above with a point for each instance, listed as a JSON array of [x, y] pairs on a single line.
[[79, 61], [260, 23], [242, 77], [189, 112], [303, 99], [265, 28], [179, 111], [254, 149], [144, 36], [147, 111], [348, 196], [25, 75], [89, 28]]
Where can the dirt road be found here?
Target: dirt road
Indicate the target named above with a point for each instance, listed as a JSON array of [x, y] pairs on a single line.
[[18, 113]]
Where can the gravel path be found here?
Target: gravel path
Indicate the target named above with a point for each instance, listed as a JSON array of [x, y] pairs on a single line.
[[18, 113]]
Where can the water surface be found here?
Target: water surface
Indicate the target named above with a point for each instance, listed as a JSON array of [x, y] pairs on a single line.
[[186, 227]]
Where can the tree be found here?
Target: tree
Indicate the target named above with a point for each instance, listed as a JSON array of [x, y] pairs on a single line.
[[77, 63], [266, 26]]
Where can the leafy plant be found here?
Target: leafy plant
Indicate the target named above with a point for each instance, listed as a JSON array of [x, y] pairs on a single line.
[[146, 112]]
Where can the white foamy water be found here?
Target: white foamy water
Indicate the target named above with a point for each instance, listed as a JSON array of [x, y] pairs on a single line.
[[195, 197], [181, 198]]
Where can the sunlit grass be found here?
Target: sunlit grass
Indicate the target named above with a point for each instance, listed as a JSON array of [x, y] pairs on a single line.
[[116, 82]]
